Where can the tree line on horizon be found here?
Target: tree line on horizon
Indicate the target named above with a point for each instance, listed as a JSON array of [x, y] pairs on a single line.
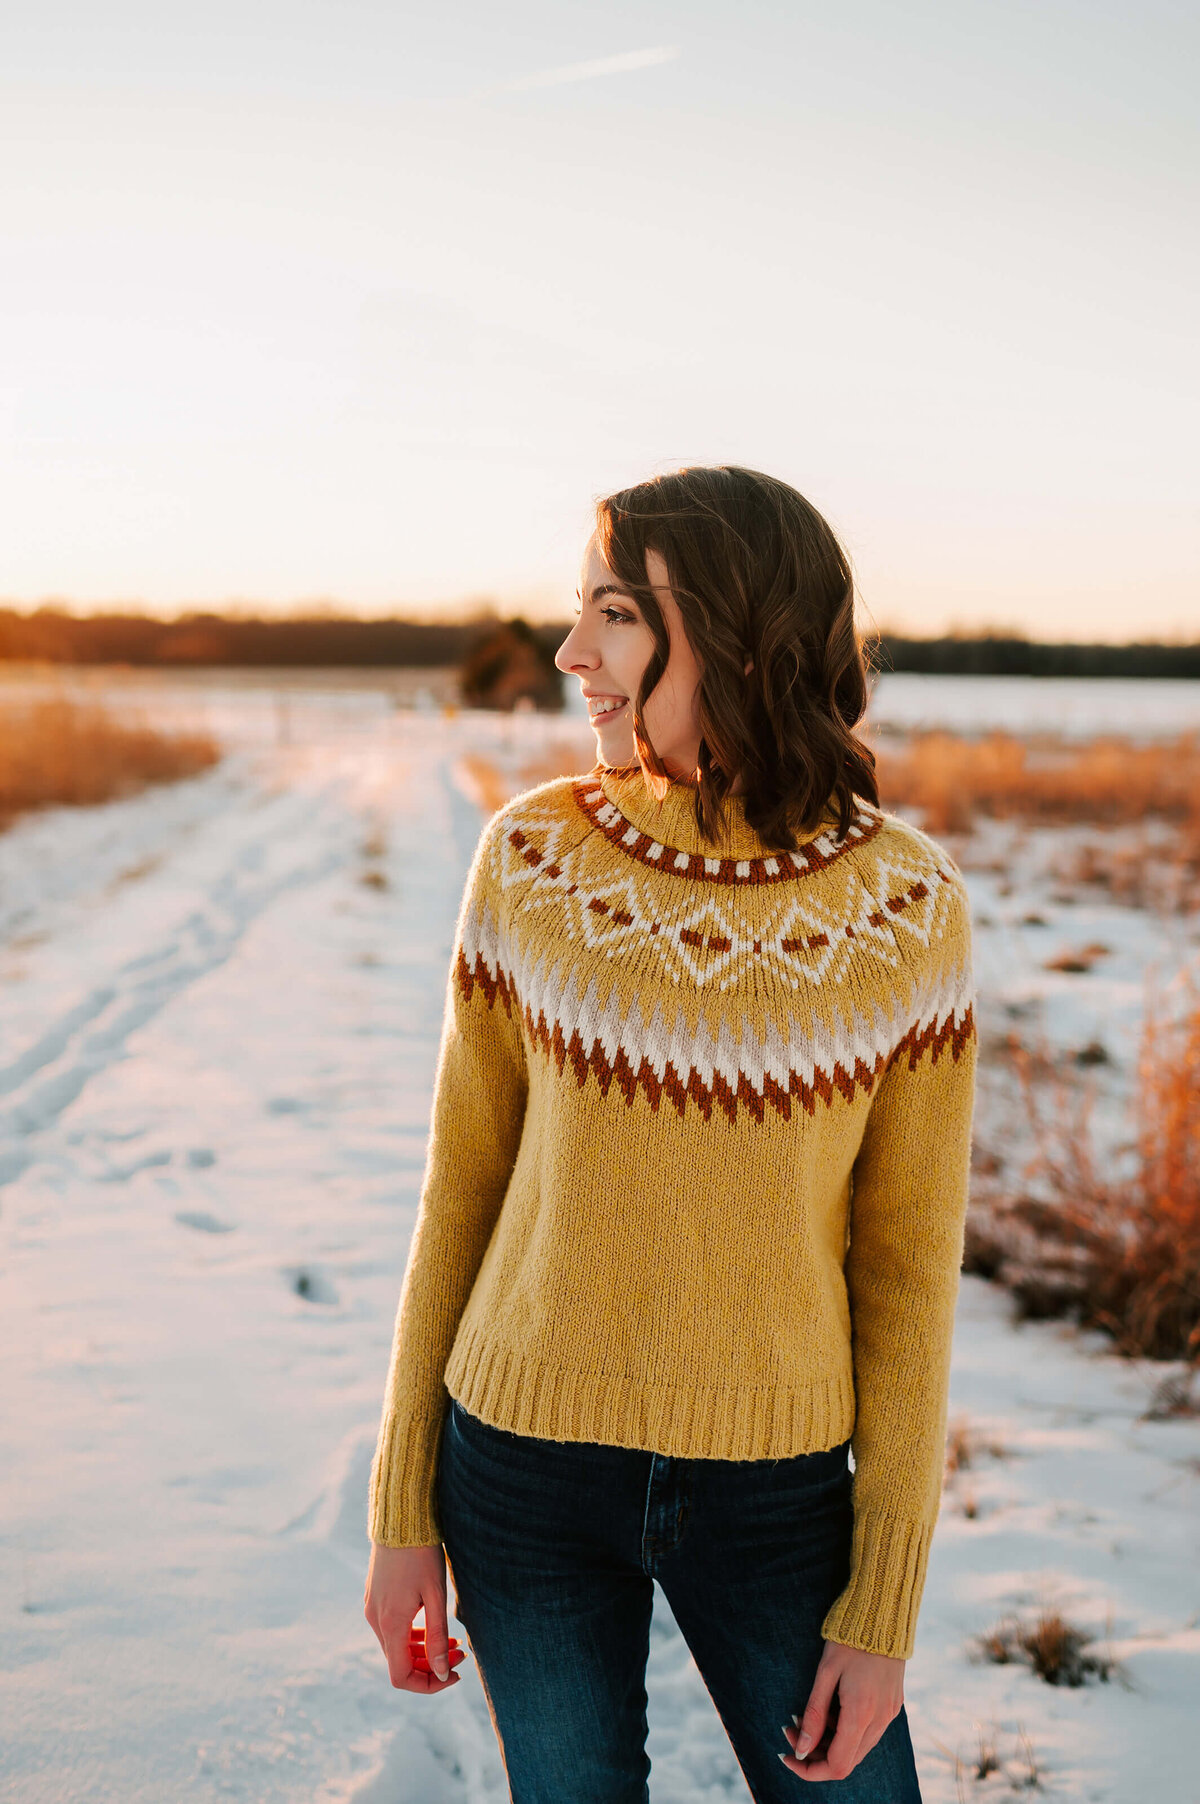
[[206, 639]]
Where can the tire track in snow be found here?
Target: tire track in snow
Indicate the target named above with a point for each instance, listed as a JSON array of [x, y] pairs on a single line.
[[48, 1076]]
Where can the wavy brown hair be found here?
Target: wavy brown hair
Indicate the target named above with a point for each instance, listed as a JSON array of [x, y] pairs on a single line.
[[757, 573]]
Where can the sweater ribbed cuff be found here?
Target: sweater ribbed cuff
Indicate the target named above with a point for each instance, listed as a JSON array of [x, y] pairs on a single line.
[[877, 1610], [401, 1506]]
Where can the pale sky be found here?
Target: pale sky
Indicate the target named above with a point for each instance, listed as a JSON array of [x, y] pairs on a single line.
[[369, 301]]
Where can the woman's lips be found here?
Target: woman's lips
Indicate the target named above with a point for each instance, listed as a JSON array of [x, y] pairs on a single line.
[[607, 713]]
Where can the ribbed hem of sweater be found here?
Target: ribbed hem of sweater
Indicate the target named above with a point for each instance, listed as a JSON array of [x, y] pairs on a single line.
[[503, 1386], [877, 1610]]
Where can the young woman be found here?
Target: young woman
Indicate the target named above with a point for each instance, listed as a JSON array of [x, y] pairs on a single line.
[[692, 1219]]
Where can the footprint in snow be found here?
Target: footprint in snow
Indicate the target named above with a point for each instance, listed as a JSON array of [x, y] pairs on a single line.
[[201, 1220], [311, 1283], [121, 1174]]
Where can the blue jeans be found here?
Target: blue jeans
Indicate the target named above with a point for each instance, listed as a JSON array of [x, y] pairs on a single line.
[[553, 1548]]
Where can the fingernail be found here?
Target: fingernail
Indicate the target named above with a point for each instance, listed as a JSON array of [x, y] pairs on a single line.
[[795, 1719], [440, 1667], [803, 1744], [783, 1757]]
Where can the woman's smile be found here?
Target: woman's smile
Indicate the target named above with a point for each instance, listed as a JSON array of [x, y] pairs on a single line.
[[612, 641]]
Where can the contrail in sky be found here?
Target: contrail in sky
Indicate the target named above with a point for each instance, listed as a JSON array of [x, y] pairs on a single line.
[[603, 65]]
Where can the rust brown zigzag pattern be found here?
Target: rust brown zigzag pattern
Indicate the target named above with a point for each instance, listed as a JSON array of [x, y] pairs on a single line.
[[950, 1033], [936, 1038]]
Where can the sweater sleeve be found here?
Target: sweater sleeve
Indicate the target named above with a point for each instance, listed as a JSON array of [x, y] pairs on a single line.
[[902, 1267], [480, 1090]]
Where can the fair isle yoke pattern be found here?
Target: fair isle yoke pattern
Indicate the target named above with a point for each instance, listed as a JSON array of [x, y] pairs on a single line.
[[697, 1169], [776, 867], [804, 939]]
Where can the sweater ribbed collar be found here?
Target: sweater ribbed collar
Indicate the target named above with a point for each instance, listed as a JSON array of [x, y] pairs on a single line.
[[672, 822]]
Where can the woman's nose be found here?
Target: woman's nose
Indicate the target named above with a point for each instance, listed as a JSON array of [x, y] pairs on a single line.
[[571, 657]]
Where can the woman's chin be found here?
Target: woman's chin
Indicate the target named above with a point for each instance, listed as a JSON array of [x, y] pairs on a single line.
[[616, 748]]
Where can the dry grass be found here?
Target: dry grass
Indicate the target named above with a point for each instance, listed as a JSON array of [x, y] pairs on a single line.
[[1056, 1651], [1136, 869], [958, 1445], [965, 1444], [987, 1760], [58, 751], [1081, 959], [1020, 1768], [1110, 781], [1120, 1255]]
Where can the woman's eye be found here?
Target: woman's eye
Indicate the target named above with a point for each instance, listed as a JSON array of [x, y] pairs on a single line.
[[614, 616]]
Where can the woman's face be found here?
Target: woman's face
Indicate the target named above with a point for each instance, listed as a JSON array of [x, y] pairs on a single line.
[[609, 647]]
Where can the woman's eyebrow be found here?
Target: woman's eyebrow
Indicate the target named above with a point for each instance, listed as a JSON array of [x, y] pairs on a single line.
[[602, 589]]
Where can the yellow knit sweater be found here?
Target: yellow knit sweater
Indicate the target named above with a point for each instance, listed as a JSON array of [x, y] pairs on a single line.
[[697, 1168]]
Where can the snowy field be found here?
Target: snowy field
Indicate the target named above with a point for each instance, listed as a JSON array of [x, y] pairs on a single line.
[[222, 1008], [1077, 708], [259, 706]]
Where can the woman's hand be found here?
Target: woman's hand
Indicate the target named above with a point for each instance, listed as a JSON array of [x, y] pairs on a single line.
[[870, 1692], [400, 1581]]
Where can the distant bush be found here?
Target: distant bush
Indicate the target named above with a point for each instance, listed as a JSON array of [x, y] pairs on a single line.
[[56, 751], [511, 666]]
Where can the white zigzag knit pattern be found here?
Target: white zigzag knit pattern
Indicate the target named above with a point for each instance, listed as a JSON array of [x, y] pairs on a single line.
[[808, 940]]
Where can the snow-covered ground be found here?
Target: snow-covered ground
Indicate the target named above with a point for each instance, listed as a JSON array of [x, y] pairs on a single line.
[[222, 1002], [260, 705], [1076, 707]]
